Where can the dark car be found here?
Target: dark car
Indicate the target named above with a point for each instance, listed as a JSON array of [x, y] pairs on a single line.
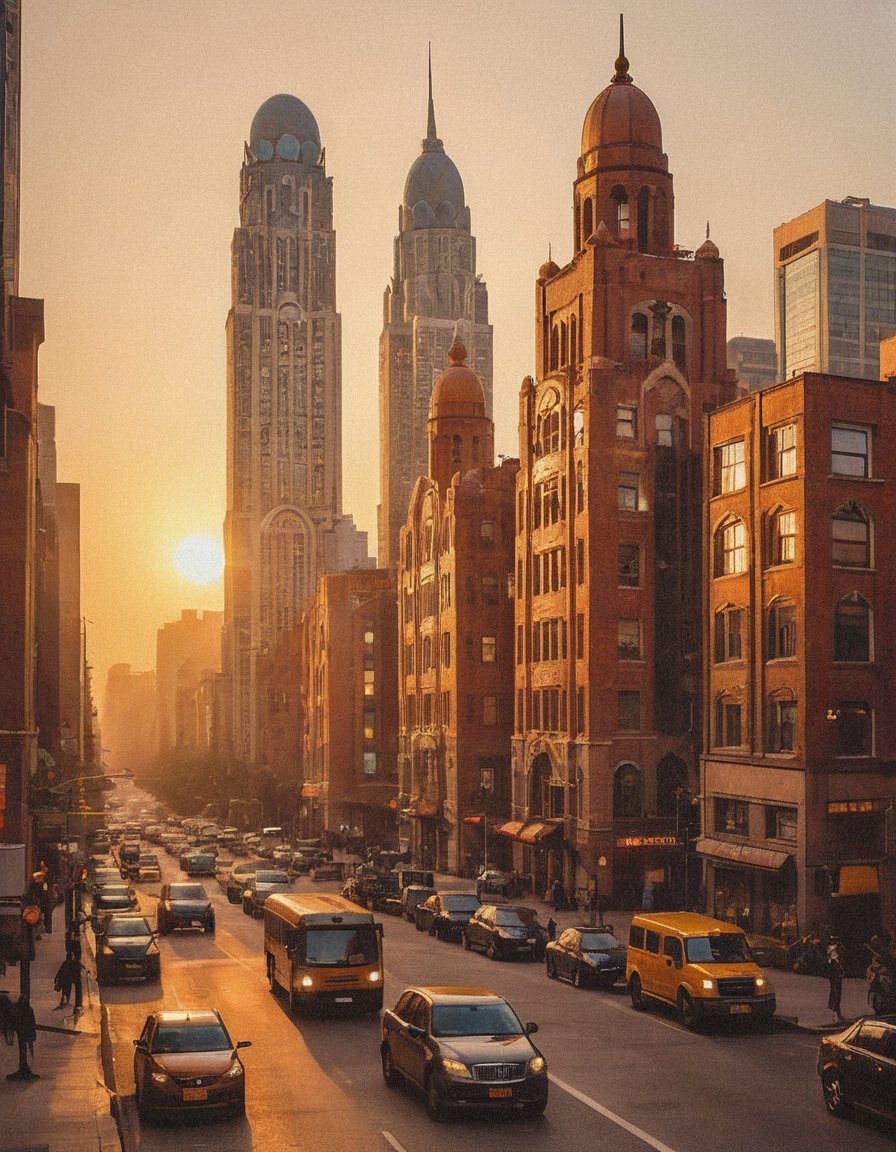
[[184, 906], [464, 1048], [186, 1064], [858, 1067], [586, 957], [263, 883], [198, 863], [102, 875], [145, 867], [129, 852], [127, 949], [505, 930], [444, 914], [110, 899], [237, 880], [494, 883], [411, 896]]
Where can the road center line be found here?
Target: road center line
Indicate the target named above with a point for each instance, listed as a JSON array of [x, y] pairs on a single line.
[[632, 1128], [391, 1140]]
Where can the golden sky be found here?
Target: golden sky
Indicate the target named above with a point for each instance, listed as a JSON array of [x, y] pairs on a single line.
[[133, 122]]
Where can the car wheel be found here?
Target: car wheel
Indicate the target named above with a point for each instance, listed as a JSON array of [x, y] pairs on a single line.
[[832, 1089], [688, 1011], [578, 979], [634, 990], [550, 969], [390, 1073], [434, 1105]]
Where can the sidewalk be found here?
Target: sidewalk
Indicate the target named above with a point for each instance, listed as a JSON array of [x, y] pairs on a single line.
[[802, 1001], [68, 1108]]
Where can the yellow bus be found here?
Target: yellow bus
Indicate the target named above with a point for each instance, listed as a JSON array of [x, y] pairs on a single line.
[[324, 951]]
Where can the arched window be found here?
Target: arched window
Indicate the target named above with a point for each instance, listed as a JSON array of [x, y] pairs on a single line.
[[564, 354], [679, 344], [782, 715], [587, 220], [852, 629], [573, 341], [639, 336], [555, 348], [627, 790], [580, 487], [643, 219], [620, 195], [549, 431], [851, 537], [730, 552], [781, 630]]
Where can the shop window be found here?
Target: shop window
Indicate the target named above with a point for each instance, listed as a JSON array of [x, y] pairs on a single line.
[[627, 792], [852, 630], [780, 823], [782, 630], [853, 722], [850, 450], [851, 537], [732, 816]]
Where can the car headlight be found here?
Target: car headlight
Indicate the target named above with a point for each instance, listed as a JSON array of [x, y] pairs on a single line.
[[307, 982], [456, 1068], [708, 985], [374, 977], [234, 1071], [760, 981], [537, 1064]]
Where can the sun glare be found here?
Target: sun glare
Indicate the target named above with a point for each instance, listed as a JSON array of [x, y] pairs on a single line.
[[199, 559]]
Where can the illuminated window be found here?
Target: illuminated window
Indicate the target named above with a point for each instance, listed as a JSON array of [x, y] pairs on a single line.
[[782, 452], [785, 538], [629, 483], [489, 649], [730, 470], [626, 421], [731, 549]]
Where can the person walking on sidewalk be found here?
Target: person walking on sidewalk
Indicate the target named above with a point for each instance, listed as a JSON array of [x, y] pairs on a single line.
[[835, 972]]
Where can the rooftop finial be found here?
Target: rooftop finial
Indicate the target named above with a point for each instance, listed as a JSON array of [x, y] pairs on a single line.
[[622, 76], [432, 143], [707, 229]]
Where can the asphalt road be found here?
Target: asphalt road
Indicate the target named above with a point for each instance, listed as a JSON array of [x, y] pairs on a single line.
[[621, 1081]]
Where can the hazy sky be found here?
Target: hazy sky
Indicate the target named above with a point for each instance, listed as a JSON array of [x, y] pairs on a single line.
[[134, 116]]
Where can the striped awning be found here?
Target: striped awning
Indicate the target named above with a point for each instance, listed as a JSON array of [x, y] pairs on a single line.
[[747, 855], [529, 831]]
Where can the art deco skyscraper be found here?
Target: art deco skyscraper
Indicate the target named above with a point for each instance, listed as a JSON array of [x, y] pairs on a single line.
[[284, 525], [434, 296]]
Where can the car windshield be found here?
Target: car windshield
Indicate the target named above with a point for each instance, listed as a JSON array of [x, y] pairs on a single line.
[[149, 859], [271, 878], [188, 892], [461, 903], [719, 948], [475, 1020], [191, 1038], [341, 946], [598, 941], [514, 917], [112, 896], [128, 928]]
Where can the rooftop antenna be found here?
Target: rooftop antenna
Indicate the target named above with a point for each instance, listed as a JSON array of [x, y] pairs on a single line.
[[431, 121]]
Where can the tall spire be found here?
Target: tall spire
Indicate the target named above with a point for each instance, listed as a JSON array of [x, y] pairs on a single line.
[[432, 143], [622, 76]]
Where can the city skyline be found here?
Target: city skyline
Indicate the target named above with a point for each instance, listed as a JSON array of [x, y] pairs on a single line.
[[129, 200]]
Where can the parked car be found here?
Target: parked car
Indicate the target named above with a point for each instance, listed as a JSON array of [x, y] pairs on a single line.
[[129, 852], [494, 883], [184, 906], [127, 949], [185, 1063], [110, 899], [328, 870], [411, 896], [145, 867], [198, 863], [464, 1048], [444, 914], [505, 930], [261, 884], [237, 879], [586, 957], [857, 1067], [105, 874]]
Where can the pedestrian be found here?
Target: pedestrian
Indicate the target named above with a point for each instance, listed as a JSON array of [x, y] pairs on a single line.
[[73, 942], [835, 972], [25, 1028], [552, 928], [68, 977]]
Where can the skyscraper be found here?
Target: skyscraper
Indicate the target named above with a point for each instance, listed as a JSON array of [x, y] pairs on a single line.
[[434, 295], [835, 269], [284, 524]]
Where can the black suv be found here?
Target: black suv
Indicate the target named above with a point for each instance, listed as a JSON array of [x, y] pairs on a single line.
[[505, 930], [127, 949], [858, 1067]]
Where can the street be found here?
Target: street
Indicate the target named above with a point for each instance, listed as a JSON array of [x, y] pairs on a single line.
[[620, 1080]]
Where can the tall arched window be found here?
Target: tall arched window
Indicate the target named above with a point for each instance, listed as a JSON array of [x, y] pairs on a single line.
[[679, 343], [620, 195], [627, 792], [639, 336], [587, 220], [555, 348], [851, 537], [852, 629], [643, 219], [730, 548]]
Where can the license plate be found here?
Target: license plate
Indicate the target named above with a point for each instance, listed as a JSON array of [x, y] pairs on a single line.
[[499, 1093], [344, 1000], [195, 1094], [133, 968], [736, 1008]]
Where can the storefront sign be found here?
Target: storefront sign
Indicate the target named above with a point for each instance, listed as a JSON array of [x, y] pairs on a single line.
[[648, 842]]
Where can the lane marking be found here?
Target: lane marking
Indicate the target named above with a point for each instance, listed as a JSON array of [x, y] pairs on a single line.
[[391, 1140], [639, 1133]]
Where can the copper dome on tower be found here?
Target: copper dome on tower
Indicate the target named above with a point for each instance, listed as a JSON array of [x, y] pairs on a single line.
[[458, 390]]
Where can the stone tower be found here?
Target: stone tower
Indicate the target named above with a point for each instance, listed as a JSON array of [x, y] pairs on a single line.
[[284, 525], [434, 296]]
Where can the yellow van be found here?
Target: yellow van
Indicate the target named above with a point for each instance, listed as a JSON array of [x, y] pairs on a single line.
[[701, 966]]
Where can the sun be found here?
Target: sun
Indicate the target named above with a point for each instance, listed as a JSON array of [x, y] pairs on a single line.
[[199, 559]]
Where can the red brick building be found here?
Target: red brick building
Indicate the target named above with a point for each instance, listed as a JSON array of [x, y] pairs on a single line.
[[630, 351], [456, 632], [799, 776]]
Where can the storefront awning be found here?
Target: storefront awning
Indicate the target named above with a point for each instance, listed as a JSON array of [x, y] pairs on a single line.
[[529, 831], [858, 880], [745, 855]]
